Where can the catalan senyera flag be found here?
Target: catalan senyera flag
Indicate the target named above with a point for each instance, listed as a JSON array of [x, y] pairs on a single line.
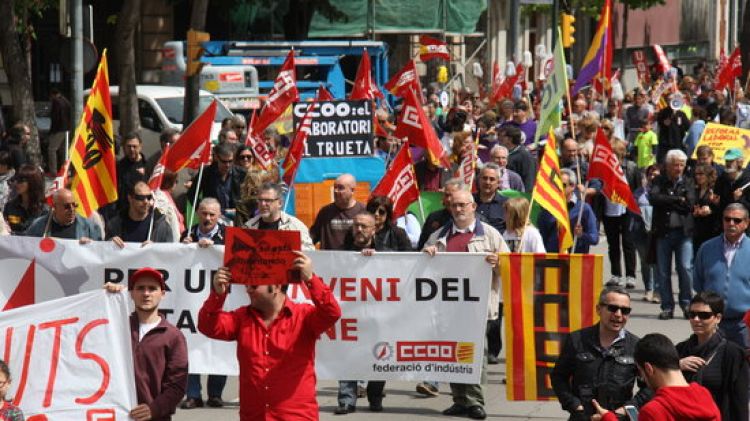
[[549, 192], [547, 296], [93, 150], [597, 64]]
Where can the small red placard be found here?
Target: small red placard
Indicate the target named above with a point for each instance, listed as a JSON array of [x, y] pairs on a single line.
[[261, 257]]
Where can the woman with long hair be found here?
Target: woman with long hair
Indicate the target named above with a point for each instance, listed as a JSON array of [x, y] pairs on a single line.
[[520, 235], [706, 211], [388, 236], [28, 204]]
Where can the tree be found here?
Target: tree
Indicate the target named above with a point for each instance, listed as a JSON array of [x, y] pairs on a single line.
[[127, 23], [15, 27]]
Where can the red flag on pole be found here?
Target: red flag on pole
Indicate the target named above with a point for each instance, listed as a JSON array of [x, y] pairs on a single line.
[[323, 94], [430, 48], [156, 176], [399, 182], [58, 183], [406, 79], [606, 167], [297, 147], [661, 59], [730, 71], [192, 141], [504, 88], [364, 88], [263, 156], [414, 125], [283, 94]]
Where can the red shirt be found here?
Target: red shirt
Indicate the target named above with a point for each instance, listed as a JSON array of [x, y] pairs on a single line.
[[277, 363], [677, 403]]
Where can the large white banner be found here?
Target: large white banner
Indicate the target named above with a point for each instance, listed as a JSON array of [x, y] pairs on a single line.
[[70, 359], [405, 316]]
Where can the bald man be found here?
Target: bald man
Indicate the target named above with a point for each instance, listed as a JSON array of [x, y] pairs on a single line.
[[335, 219], [64, 221]]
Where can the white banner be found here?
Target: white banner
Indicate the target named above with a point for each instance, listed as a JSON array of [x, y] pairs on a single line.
[[405, 316], [70, 359]]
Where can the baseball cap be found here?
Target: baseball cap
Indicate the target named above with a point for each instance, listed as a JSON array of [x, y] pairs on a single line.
[[732, 154], [146, 272]]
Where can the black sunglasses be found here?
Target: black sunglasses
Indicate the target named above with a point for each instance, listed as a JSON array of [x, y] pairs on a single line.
[[735, 220], [142, 197], [703, 315], [613, 309], [381, 211], [244, 157]]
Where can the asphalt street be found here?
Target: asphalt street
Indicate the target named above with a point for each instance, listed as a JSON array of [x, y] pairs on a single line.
[[402, 403]]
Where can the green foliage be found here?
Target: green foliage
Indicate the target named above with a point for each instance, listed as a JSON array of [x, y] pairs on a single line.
[[25, 10]]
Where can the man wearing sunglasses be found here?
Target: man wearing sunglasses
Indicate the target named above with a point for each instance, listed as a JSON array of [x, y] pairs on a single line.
[[134, 224], [597, 362], [222, 180], [721, 266], [64, 222]]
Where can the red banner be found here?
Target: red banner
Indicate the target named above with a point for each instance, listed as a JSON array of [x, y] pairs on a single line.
[[261, 257], [641, 66]]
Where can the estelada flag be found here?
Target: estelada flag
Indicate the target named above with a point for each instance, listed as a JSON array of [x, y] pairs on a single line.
[[605, 166], [405, 80], [414, 125], [158, 174], [399, 182], [283, 94], [297, 147], [549, 194], [93, 150], [194, 143], [536, 329], [730, 71], [364, 88], [430, 48]]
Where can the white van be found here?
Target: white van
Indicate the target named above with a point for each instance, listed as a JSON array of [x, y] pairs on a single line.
[[160, 107]]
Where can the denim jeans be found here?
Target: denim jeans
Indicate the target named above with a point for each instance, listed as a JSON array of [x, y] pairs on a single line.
[[675, 241], [348, 392], [214, 384], [642, 241], [735, 330]]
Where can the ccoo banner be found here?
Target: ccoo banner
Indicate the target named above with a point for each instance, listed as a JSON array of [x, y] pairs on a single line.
[[547, 296], [405, 316], [71, 358], [338, 128]]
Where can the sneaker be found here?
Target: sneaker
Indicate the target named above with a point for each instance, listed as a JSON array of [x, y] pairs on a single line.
[[649, 297], [656, 299], [614, 281], [427, 389], [666, 315], [191, 403], [630, 282]]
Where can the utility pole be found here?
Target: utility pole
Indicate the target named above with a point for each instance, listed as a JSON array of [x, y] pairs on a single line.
[[192, 83], [76, 32]]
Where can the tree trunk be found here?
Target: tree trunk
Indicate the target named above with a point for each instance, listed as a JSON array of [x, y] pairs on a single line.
[[192, 83], [14, 63], [745, 44], [127, 24], [624, 45]]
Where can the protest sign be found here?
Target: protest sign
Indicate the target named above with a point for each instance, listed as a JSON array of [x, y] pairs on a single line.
[[721, 137], [338, 128], [261, 257], [71, 358], [377, 338], [547, 296]]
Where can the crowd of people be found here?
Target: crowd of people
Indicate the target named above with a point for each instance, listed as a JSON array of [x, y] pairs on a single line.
[[692, 208]]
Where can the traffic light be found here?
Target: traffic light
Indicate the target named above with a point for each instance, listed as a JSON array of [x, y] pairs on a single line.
[[567, 29], [195, 51]]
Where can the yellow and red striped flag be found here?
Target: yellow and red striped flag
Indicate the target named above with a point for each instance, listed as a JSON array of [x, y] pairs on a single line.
[[549, 192], [547, 296], [93, 150]]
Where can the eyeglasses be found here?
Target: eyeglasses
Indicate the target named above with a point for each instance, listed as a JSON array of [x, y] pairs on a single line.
[[381, 211], [143, 197], [460, 205], [703, 315], [226, 161], [736, 221], [267, 200], [245, 157], [68, 205], [362, 226], [613, 309]]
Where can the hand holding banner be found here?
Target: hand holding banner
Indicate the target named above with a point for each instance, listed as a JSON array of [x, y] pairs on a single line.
[[261, 257]]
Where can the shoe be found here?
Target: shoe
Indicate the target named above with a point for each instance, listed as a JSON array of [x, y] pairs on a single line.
[[376, 406], [456, 409], [666, 315], [361, 391], [214, 402], [630, 282], [191, 403], [345, 409], [685, 313], [427, 390], [493, 360], [614, 281], [649, 296], [476, 412], [657, 298]]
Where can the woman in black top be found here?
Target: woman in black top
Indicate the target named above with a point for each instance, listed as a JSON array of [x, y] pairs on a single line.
[[388, 237], [709, 359], [29, 203], [706, 211]]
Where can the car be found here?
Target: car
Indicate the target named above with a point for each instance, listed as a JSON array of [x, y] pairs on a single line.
[[160, 107]]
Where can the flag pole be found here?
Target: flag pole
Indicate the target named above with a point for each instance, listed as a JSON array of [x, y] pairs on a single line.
[[195, 199], [580, 215], [153, 215], [67, 145]]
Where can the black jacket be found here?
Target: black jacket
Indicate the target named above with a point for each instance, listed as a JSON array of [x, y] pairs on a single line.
[[521, 161], [162, 232], [584, 371], [210, 186], [217, 238], [667, 197]]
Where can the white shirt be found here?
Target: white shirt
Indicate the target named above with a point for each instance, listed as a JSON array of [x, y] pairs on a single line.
[[144, 328], [470, 228]]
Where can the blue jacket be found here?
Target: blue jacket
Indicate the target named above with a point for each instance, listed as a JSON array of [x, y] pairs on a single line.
[[710, 274], [547, 225], [84, 228]]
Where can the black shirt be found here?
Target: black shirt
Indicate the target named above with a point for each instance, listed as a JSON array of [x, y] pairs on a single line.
[[63, 231], [135, 231], [263, 225]]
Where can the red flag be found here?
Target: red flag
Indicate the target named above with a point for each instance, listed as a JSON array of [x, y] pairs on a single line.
[[723, 60], [192, 141], [414, 125], [202, 156], [641, 66], [406, 79], [504, 88], [399, 182], [156, 176], [430, 48], [283, 94], [297, 147], [730, 71], [323, 94], [380, 131], [364, 88], [606, 167], [661, 59], [58, 183], [263, 156]]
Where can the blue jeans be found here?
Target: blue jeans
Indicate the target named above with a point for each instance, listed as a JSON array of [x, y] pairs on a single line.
[[642, 240], [348, 392], [215, 386], [675, 241], [735, 330]]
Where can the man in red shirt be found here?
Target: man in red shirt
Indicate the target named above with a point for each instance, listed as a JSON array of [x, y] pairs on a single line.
[[675, 400], [275, 343]]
